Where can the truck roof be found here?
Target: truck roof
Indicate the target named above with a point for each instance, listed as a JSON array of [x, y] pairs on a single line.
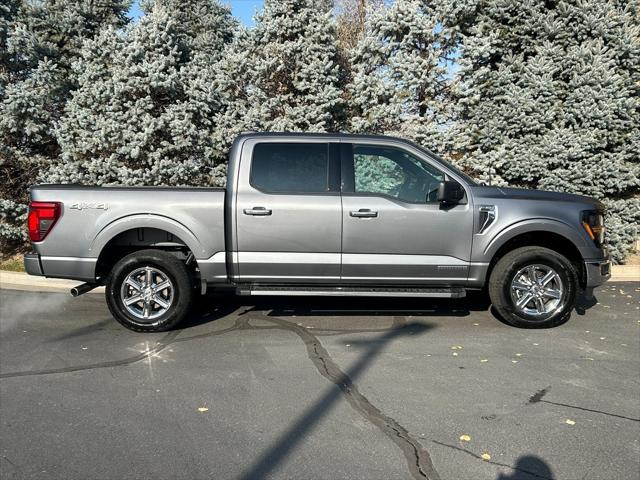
[[354, 136], [322, 135]]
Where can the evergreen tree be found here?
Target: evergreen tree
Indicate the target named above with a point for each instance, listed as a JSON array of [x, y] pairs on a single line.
[[400, 78], [205, 26], [283, 74], [38, 43], [548, 97], [8, 12], [145, 108]]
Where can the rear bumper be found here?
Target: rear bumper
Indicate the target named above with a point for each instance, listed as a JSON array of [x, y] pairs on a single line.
[[32, 264], [597, 272], [72, 268]]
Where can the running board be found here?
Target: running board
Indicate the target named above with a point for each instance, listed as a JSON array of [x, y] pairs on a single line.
[[309, 291]]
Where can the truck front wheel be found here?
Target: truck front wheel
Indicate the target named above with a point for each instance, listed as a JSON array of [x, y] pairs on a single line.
[[149, 291], [533, 287]]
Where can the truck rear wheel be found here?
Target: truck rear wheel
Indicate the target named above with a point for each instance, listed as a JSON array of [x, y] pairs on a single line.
[[533, 287], [149, 291]]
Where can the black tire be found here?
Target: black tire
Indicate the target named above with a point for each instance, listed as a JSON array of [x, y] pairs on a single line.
[[509, 266], [164, 266]]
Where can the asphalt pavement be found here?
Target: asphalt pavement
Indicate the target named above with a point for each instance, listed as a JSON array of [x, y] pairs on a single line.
[[319, 388]]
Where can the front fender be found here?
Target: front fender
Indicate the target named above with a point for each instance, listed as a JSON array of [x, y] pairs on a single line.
[[487, 250]]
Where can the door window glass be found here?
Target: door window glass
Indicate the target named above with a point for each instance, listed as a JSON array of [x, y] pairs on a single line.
[[396, 173], [290, 167]]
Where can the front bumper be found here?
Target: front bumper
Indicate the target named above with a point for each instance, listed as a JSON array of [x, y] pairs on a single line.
[[32, 264], [597, 272]]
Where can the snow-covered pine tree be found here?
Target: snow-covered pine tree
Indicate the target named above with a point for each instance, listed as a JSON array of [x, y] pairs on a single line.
[[283, 74], [548, 98], [144, 111], [400, 82], [38, 43]]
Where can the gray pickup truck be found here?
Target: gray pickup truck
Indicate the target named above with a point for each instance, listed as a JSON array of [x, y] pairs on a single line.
[[321, 214]]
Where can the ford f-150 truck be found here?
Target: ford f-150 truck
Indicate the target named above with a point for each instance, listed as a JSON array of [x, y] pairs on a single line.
[[321, 214]]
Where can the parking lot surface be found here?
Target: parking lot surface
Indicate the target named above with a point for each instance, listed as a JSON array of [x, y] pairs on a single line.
[[319, 388]]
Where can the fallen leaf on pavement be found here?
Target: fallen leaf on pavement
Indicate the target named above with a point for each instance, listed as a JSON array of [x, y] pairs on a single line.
[[203, 409], [485, 456], [465, 438], [568, 421]]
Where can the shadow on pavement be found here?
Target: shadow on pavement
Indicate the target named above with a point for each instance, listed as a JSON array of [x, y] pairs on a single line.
[[213, 307], [529, 467]]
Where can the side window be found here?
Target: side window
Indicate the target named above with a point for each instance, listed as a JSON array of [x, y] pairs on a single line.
[[394, 172], [290, 167]]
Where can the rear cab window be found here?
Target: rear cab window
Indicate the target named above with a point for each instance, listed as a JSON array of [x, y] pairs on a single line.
[[288, 167]]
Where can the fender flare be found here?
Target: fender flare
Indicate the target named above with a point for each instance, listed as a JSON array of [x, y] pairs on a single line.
[[535, 225], [131, 222]]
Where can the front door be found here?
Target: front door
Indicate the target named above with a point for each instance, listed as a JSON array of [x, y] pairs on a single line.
[[288, 212], [394, 229]]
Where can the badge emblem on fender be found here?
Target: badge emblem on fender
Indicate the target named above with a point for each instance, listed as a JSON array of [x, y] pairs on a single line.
[[89, 206]]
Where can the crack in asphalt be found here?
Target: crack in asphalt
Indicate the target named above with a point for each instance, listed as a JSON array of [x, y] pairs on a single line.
[[506, 465], [537, 398], [418, 458]]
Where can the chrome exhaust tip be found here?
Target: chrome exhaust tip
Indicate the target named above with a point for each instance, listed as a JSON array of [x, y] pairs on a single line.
[[83, 288]]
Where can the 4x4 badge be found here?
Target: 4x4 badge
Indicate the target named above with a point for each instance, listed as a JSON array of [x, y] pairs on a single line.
[[89, 206]]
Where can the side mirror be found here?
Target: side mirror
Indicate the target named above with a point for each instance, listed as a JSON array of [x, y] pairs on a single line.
[[450, 192]]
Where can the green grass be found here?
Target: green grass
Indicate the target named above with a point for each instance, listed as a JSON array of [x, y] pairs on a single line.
[[13, 264]]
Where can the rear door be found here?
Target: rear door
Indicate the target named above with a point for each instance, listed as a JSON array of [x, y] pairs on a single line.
[[394, 229], [289, 211]]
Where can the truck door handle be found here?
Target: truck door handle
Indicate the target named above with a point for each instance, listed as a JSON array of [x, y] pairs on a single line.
[[364, 213], [257, 211]]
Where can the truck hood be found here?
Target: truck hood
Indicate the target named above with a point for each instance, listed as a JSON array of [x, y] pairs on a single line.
[[543, 195]]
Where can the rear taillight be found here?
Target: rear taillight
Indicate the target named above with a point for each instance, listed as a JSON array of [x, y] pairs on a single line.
[[42, 218]]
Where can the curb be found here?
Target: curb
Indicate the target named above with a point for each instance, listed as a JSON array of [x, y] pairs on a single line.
[[625, 273], [23, 281]]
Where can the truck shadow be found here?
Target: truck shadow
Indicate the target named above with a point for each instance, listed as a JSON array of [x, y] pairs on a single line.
[[213, 307]]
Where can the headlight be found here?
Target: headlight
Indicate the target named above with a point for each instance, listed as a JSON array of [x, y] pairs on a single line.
[[593, 223]]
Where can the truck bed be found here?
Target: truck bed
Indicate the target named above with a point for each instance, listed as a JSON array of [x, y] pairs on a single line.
[[93, 216]]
